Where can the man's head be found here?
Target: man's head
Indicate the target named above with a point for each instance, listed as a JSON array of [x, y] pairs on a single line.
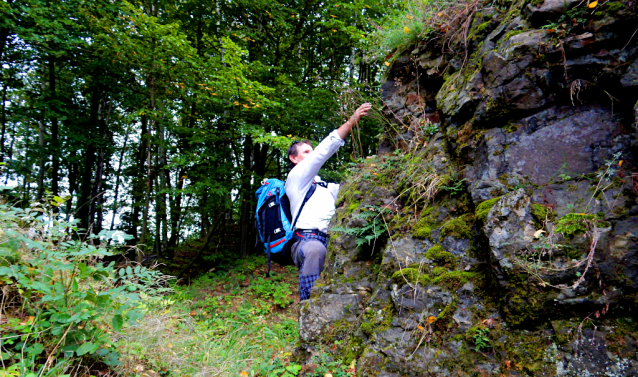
[[298, 151]]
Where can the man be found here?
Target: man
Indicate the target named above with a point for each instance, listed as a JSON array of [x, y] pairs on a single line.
[[310, 239]]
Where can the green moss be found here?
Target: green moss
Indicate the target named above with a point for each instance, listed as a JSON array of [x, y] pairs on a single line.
[[484, 208], [411, 275], [576, 223], [423, 228], [438, 271], [614, 6], [512, 33], [444, 319], [454, 280], [541, 213], [439, 255], [456, 228], [352, 207], [480, 28], [513, 127], [625, 330], [620, 211]]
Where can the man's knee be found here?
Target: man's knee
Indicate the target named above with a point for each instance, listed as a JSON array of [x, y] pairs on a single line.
[[314, 253], [314, 250]]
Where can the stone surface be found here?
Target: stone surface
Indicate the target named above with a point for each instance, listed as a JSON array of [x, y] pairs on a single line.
[[544, 123]]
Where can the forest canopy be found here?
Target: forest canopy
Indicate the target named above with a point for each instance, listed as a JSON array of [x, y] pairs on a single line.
[[159, 118]]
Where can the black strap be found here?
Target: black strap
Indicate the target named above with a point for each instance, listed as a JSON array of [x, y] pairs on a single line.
[[309, 193]]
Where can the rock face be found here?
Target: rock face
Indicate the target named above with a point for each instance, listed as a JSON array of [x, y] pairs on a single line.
[[503, 239]]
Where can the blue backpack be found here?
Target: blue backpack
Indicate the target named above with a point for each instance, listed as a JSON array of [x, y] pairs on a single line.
[[273, 219]]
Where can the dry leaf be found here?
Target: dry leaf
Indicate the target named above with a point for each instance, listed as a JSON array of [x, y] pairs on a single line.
[[620, 163], [243, 373], [386, 64], [539, 233], [406, 29], [431, 319], [508, 364], [170, 345], [593, 4]]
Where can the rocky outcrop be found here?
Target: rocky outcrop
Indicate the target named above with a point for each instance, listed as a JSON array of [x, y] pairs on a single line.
[[503, 239]]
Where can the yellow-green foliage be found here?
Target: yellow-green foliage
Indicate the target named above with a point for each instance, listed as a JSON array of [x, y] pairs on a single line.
[[484, 208], [352, 207], [375, 322], [412, 275], [439, 255], [444, 319], [541, 213], [576, 223], [438, 271], [456, 228], [451, 280], [423, 228]]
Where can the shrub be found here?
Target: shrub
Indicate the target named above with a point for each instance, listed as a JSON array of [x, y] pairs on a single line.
[[60, 301]]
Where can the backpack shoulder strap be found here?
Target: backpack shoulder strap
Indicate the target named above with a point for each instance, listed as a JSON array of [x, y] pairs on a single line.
[[309, 193]]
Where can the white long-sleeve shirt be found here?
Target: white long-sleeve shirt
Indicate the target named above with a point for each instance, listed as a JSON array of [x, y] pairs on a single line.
[[319, 209]]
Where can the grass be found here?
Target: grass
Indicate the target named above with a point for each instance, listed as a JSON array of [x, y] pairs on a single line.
[[225, 322], [415, 20], [65, 312]]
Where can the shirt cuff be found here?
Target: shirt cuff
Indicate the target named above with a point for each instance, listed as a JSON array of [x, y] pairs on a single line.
[[334, 138]]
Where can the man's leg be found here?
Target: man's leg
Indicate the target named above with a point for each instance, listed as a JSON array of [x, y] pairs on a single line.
[[309, 256]]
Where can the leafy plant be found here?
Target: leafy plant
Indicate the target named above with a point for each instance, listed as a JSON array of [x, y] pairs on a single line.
[[374, 226], [481, 341], [68, 298], [455, 188]]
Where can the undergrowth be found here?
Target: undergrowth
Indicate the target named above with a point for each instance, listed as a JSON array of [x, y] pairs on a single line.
[[66, 312]]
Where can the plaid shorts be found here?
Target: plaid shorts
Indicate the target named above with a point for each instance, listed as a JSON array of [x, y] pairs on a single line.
[[306, 282]]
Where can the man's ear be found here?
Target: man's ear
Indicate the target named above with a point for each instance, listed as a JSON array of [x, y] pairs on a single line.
[[293, 158]]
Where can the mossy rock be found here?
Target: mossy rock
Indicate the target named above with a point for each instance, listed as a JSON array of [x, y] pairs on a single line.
[[438, 271], [577, 223], [484, 208], [454, 280], [541, 213], [427, 222], [457, 228], [444, 318], [439, 255], [422, 229], [411, 275]]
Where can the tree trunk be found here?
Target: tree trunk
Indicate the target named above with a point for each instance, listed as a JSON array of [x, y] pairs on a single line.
[[83, 212], [117, 182], [163, 177], [54, 144], [3, 151], [138, 184], [42, 161], [245, 218]]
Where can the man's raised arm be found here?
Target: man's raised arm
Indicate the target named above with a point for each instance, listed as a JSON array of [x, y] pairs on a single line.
[[345, 128]]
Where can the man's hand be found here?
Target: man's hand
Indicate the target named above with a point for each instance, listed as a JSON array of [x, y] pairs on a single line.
[[360, 112], [345, 129]]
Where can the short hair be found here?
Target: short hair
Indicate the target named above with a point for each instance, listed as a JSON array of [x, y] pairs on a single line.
[[294, 149]]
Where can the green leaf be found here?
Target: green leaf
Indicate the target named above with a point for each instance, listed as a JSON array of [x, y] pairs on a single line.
[[35, 349], [118, 322], [85, 348]]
